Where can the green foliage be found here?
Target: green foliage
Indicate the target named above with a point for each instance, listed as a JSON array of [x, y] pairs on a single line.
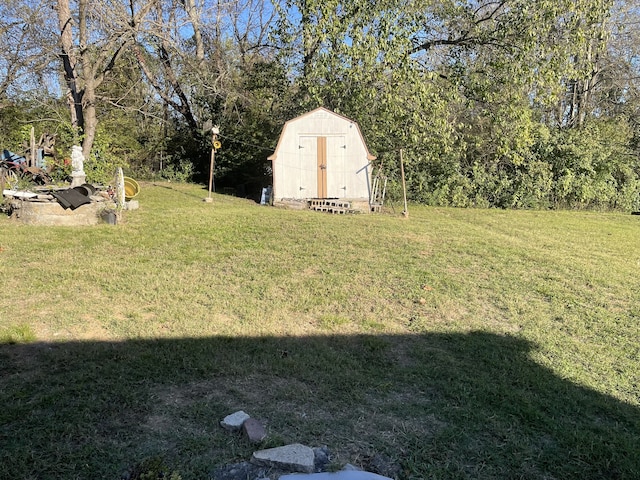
[[250, 113], [533, 186], [12, 117], [105, 158], [594, 167], [250, 130], [46, 115], [182, 172], [187, 156]]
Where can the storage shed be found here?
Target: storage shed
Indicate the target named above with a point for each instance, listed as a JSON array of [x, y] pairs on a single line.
[[321, 155]]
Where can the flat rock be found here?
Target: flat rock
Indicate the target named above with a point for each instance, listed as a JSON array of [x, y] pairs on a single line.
[[254, 430], [295, 457], [341, 475], [234, 421]]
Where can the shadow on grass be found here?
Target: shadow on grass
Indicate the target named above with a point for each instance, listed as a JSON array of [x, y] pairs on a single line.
[[441, 406]]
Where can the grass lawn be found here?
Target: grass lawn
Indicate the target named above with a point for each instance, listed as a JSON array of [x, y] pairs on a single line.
[[456, 343]]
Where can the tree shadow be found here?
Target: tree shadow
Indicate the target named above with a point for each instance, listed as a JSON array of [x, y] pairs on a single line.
[[440, 406]]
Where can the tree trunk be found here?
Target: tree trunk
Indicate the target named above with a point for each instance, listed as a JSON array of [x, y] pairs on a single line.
[[89, 97], [194, 18], [90, 117], [67, 55]]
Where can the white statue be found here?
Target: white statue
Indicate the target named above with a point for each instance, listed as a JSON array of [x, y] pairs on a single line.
[[77, 159], [78, 177]]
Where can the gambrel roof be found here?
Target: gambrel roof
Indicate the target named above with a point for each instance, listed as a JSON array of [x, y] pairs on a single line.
[[312, 113]]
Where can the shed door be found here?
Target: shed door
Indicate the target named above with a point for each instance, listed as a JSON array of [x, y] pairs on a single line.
[[305, 176], [336, 171], [324, 158], [322, 167]]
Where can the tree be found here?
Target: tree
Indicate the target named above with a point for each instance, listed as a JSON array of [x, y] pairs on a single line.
[[93, 36], [22, 64], [158, 44], [464, 87], [200, 71]]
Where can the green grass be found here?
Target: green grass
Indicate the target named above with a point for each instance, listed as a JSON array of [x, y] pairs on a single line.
[[455, 343]]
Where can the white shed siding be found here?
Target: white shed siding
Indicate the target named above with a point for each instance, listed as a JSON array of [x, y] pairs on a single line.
[[321, 140]]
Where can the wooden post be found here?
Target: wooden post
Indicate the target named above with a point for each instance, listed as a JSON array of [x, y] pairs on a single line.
[[404, 186], [32, 149], [213, 161], [214, 137]]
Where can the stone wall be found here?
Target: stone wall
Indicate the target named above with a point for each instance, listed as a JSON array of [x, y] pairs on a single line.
[[52, 214]]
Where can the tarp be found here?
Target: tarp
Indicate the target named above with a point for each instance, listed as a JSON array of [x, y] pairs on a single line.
[[71, 198]]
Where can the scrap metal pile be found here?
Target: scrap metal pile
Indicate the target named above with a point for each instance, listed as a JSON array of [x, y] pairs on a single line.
[[35, 162]]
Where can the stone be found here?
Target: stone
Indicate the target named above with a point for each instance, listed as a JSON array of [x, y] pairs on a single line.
[[234, 421], [295, 457], [254, 430], [131, 205], [322, 458], [341, 475]]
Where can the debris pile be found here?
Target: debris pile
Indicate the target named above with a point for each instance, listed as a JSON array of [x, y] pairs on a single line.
[[67, 197], [288, 462], [85, 204]]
